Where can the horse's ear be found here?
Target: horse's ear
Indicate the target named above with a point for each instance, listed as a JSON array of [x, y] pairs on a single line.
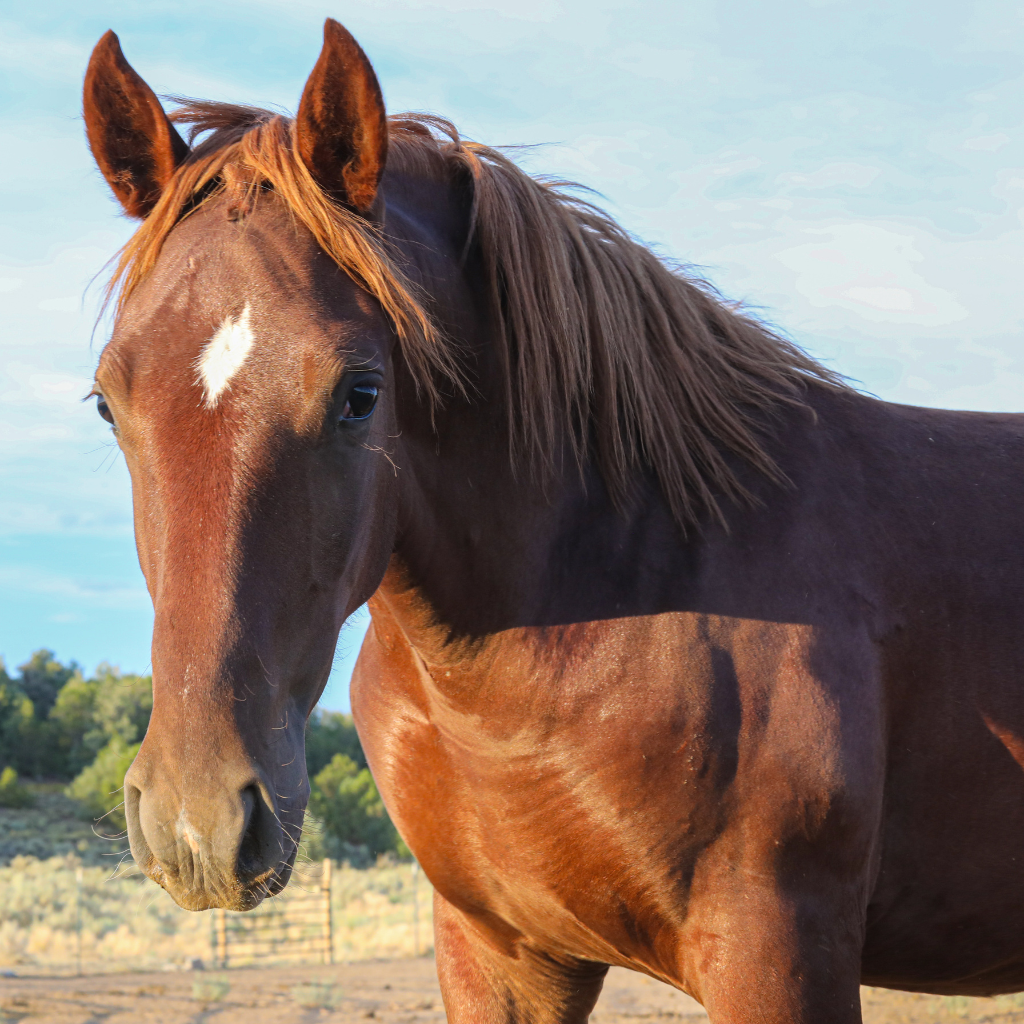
[[136, 146], [341, 129]]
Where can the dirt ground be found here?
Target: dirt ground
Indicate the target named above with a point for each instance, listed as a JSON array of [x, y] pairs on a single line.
[[389, 992]]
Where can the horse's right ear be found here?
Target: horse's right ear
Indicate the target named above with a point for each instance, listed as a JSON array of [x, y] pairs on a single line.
[[136, 146]]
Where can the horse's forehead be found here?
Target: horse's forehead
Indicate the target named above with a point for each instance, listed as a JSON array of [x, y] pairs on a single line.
[[224, 296], [212, 263]]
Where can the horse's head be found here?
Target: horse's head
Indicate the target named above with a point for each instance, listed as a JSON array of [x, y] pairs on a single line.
[[249, 383]]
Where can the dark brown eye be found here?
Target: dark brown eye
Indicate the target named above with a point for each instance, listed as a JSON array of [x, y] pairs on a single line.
[[360, 402], [104, 410]]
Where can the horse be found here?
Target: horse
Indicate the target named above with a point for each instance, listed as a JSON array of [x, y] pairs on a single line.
[[685, 655]]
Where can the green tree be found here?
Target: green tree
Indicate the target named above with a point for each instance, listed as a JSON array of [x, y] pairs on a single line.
[[42, 677], [72, 721], [123, 703], [27, 737], [99, 787], [345, 798], [329, 733], [19, 727], [89, 713], [12, 792]]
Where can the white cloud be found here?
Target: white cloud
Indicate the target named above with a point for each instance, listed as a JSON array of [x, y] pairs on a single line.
[[664, 64], [40, 54], [34, 386], [67, 304], [830, 175], [989, 143], [112, 595], [872, 270], [894, 299]]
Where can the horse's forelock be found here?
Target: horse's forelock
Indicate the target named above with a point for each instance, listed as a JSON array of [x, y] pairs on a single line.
[[231, 119]]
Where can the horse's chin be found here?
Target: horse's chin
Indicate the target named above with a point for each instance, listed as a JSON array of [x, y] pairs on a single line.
[[236, 895]]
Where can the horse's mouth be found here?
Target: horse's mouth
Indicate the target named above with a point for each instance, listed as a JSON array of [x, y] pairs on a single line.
[[236, 894]]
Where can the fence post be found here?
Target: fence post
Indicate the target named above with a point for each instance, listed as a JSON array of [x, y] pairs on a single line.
[[220, 938], [78, 920], [415, 908], [327, 918]]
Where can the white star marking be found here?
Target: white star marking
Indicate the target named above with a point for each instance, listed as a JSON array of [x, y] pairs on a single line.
[[223, 355]]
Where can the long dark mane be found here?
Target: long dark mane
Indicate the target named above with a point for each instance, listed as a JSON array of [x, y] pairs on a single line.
[[600, 339]]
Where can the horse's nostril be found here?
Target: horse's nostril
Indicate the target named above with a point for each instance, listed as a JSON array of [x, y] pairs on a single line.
[[253, 855]]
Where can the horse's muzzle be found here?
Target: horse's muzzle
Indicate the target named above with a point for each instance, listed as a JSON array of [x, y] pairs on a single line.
[[223, 847]]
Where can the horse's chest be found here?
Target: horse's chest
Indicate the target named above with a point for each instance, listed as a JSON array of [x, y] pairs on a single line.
[[580, 801], [525, 835], [572, 812]]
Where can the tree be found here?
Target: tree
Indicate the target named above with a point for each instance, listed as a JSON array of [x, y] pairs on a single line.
[[19, 727], [100, 787], [29, 740], [72, 721], [12, 792], [345, 798], [329, 733], [89, 713], [42, 677], [101, 723]]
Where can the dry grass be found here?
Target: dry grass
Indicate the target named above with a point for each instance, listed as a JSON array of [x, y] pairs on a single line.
[[128, 923], [881, 1006], [53, 827]]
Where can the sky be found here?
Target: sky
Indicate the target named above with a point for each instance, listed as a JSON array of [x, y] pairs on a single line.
[[853, 171]]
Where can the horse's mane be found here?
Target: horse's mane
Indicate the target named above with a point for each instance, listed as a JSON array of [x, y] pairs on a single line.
[[600, 340]]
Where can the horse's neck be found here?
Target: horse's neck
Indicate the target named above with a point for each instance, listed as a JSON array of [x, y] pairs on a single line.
[[484, 550]]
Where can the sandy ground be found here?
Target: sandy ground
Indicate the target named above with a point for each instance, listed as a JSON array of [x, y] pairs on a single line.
[[382, 991]]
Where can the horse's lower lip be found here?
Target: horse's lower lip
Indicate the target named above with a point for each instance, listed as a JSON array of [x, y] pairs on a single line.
[[237, 894], [237, 898]]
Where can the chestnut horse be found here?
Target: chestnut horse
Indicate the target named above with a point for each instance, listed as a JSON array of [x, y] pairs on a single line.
[[684, 657]]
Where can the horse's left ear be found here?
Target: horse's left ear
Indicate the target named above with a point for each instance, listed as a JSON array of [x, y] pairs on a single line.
[[136, 146], [341, 129]]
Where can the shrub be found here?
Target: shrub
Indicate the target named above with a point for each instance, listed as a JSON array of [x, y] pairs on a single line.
[[329, 733], [345, 798], [12, 793], [211, 990], [317, 995], [99, 787]]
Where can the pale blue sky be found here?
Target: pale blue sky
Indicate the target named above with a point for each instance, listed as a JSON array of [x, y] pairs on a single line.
[[853, 170]]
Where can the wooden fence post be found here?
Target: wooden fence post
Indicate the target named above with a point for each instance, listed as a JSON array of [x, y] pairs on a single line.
[[415, 908], [220, 933], [327, 919]]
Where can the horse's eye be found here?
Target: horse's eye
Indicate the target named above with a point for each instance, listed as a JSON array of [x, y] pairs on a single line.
[[104, 410], [360, 402]]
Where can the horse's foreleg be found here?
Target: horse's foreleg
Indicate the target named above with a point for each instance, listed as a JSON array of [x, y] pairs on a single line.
[[778, 961], [488, 979]]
